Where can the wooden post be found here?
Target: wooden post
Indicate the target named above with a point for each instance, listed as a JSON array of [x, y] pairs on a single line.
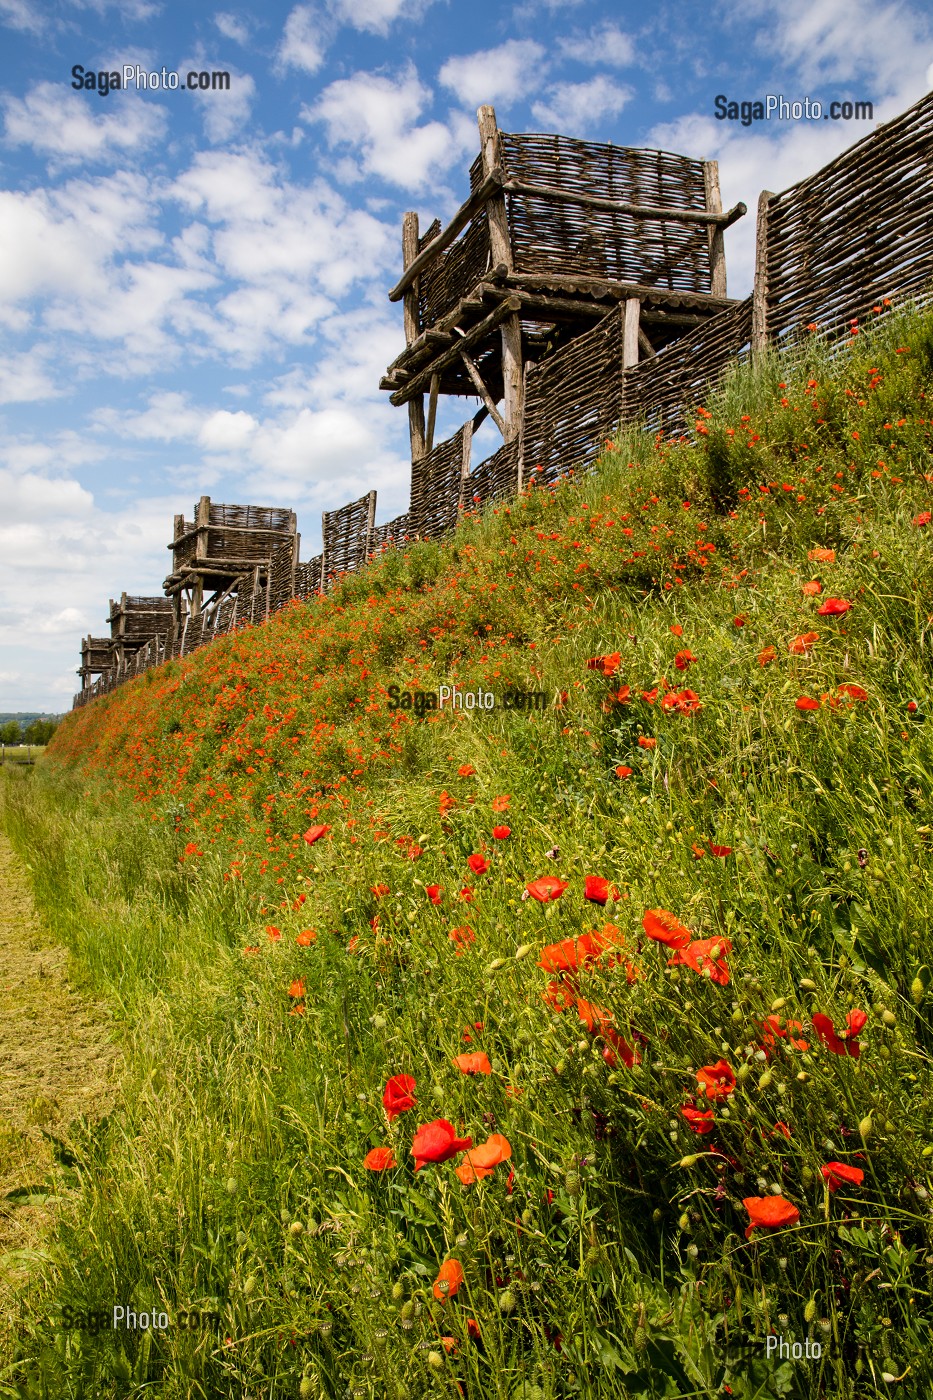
[[501, 252], [465, 460], [432, 414], [410, 309], [370, 524], [759, 339], [630, 333], [717, 241]]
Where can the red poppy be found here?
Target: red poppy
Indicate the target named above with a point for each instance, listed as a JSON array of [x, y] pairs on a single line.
[[380, 1159], [843, 1042], [806, 702], [622, 771], [501, 833], [449, 1279], [718, 1080], [822, 556], [272, 933], [500, 804], [771, 1031], [769, 1211], [801, 646], [436, 1142], [686, 702], [466, 770], [475, 1063], [665, 927], [834, 607], [683, 659], [380, 890], [707, 957], [854, 692], [466, 895], [622, 696], [739, 621], [546, 887], [297, 988], [473, 1331], [701, 1121], [434, 893], [645, 743], [314, 833], [719, 850], [250, 952], [810, 590], [478, 864], [598, 890], [923, 518], [558, 996], [677, 630], [462, 937], [837, 1173], [606, 665], [768, 654], [306, 937], [480, 1161], [398, 1095]]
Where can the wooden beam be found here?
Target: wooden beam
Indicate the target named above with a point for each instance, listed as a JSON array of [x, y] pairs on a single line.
[[621, 206], [617, 291], [483, 392], [645, 344], [465, 459], [416, 432], [442, 329], [493, 180], [630, 333], [759, 336], [420, 381], [432, 413], [717, 243], [500, 248]]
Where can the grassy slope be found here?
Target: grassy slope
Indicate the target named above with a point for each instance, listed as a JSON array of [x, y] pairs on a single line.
[[167, 823]]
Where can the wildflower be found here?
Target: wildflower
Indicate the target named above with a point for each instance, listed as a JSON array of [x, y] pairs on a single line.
[[475, 1063], [844, 1042], [622, 696], [718, 1080], [306, 937], [769, 1211], [546, 887], [622, 771], [836, 1173], [250, 952], [923, 518], [806, 702], [834, 607], [501, 833], [664, 927], [740, 621], [811, 589], [462, 937], [606, 665], [705, 956], [767, 655], [272, 933], [478, 864], [297, 988], [398, 1095], [700, 1120], [645, 743], [558, 996], [434, 893], [380, 1159], [466, 770], [500, 804], [480, 1161], [449, 1279], [314, 833], [683, 659], [380, 890], [598, 890], [854, 692], [821, 556], [801, 646], [677, 630], [466, 895], [437, 1142], [686, 702]]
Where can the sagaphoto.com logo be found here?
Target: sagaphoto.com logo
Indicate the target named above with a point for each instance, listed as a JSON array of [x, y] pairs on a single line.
[[776, 107], [132, 76]]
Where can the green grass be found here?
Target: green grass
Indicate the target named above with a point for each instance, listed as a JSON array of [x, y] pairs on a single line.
[[165, 833]]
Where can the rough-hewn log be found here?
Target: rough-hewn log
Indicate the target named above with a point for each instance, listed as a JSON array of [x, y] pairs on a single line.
[[759, 338], [416, 431], [500, 245], [420, 381], [630, 333], [621, 206], [432, 412], [483, 392], [493, 180], [717, 242]]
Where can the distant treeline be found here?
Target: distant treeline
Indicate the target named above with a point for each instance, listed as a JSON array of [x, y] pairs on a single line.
[[27, 728]]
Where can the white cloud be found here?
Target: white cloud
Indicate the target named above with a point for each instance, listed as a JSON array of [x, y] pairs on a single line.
[[225, 113], [231, 27], [58, 122], [19, 14], [170, 417], [24, 379], [503, 74], [377, 16], [605, 46], [305, 39], [575, 108], [227, 432], [378, 118]]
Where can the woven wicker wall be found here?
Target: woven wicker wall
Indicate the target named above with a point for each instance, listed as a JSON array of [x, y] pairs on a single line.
[[281, 576], [435, 490], [493, 479], [346, 533]]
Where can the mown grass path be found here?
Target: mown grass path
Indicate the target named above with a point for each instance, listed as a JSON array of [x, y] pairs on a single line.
[[56, 1068]]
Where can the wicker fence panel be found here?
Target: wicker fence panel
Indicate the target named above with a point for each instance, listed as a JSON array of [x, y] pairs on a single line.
[[435, 489], [455, 272], [308, 577], [574, 402], [493, 479], [394, 532], [557, 238], [346, 533], [281, 577], [856, 231], [661, 393]]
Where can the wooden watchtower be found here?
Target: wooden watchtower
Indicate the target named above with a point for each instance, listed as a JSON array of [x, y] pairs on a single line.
[[221, 545], [96, 658], [554, 233], [134, 621]]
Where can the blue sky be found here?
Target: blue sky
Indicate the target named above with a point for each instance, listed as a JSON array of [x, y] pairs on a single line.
[[193, 286]]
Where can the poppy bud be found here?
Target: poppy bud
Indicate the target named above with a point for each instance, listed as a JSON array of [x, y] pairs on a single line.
[[496, 964], [889, 1018], [690, 1161], [743, 1072], [507, 1301], [435, 1360], [715, 951], [249, 1285], [917, 991], [684, 1222], [864, 1128], [398, 1291], [807, 984], [779, 1004], [306, 1388], [522, 952], [231, 1185], [296, 1228], [765, 1079], [809, 1312], [641, 1339]]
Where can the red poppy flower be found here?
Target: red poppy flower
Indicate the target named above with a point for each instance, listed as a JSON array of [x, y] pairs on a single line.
[[677, 630], [297, 988], [606, 665], [622, 771], [380, 890], [480, 1161], [380, 1159], [645, 743], [767, 655], [665, 927], [923, 518], [250, 952], [801, 646], [475, 1063], [449, 1279], [398, 1095], [436, 1142], [687, 702], [854, 692], [466, 895], [719, 850], [466, 770], [683, 659], [718, 1080], [837, 1173], [834, 607], [806, 702], [821, 556], [843, 1042], [705, 956], [306, 937], [811, 589], [462, 937], [558, 996], [314, 833], [473, 1331], [740, 621], [700, 1120], [434, 893], [769, 1211], [622, 696], [478, 864], [272, 933], [501, 833], [598, 890], [546, 887], [500, 804]]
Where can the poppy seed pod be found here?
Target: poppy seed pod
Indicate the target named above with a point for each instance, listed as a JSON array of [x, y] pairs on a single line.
[[864, 1128], [507, 1301]]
